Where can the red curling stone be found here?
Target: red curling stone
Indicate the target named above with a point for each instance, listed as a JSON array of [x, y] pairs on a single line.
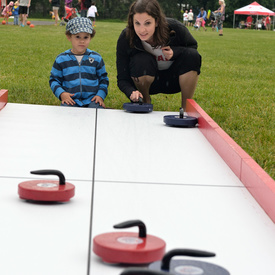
[[129, 247], [46, 190]]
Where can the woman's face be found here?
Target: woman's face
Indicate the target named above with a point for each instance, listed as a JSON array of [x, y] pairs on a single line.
[[144, 26]]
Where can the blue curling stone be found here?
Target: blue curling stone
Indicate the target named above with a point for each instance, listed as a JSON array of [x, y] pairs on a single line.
[[184, 267], [186, 121], [138, 108]]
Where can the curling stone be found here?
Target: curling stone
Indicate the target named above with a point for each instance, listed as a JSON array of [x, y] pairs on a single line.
[[181, 120], [139, 271], [129, 247], [46, 190], [184, 267], [138, 107]]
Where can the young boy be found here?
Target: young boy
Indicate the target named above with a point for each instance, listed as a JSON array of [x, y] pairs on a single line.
[[15, 13], [78, 76]]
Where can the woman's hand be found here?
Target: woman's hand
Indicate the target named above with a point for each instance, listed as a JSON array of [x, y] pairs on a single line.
[[67, 98], [135, 95], [168, 52]]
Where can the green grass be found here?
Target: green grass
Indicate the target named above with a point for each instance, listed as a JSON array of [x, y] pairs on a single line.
[[236, 85]]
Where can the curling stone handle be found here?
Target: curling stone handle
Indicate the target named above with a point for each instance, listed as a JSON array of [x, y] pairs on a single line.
[[181, 113], [139, 271], [165, 263], [51, 172], [140, 224], [140, 100]]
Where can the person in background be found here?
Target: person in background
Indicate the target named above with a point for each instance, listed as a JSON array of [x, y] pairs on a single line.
[[212, 22], [155, 55], [55, 7], [221, 12], [84, 5], [3, 4], [78, 76], [203, 17], [92, 12], [263, 23], [267, 23], [7, 11], [249, 21], [24, 6], [185, 18], [15, 13], [69, 3], [190, 18]]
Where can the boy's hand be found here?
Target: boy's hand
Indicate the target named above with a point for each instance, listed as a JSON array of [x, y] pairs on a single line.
[[98, 99], [67, 98]]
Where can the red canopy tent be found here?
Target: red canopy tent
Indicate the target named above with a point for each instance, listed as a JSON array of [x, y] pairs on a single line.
[[253, 9]]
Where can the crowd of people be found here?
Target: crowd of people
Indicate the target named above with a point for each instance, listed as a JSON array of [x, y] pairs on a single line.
[[19, 10], [188, 18], [263, 23], [215, 18]]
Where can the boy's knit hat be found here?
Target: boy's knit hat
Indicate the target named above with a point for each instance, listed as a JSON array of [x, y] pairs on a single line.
[[80, 24]]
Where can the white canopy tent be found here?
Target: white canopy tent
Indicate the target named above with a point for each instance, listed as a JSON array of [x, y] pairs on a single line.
[[254, 9]]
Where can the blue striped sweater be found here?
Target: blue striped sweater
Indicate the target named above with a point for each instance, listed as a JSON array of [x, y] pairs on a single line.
[[84, 80]]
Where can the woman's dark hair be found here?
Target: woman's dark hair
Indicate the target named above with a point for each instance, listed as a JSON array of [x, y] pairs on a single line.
[[152, 8]]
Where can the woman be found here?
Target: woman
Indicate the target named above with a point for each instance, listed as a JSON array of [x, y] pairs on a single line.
[[156, 55], [221, 11], [203, 17]]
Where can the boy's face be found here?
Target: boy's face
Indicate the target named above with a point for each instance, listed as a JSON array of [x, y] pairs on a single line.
[[80, 42]]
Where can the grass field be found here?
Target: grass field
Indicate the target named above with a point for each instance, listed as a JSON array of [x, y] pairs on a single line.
[[236, 86]]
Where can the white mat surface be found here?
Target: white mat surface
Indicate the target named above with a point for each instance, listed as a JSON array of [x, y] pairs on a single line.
[[170, 178]]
